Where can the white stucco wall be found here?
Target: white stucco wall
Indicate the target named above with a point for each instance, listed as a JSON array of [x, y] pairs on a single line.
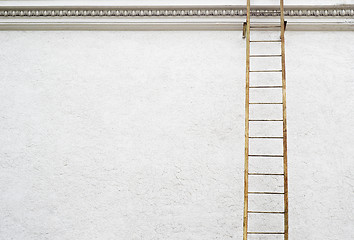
[[140, 135]]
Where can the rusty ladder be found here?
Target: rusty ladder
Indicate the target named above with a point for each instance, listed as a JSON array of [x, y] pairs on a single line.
[[248, 28]]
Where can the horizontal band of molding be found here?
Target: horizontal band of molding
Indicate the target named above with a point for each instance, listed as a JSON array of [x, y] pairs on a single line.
[[174, 11], [170, 17], [168, 25]]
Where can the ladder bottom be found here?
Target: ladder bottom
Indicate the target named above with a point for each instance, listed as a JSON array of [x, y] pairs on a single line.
[[266, 212], [265, 233], [265, 120], [265, 155], [265, 193]]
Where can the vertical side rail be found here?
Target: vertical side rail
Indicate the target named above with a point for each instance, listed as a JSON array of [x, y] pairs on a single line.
[[285, 148], [245, 210]]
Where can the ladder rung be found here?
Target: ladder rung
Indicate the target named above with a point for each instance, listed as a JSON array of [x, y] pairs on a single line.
[[265, 120], [265, 155], [266, 41], [267, 137], [266, 55], [265, 193], [266, 103], [267, 174], [274, 26], [266, 86], [266, 212], [266, 71], [265, 232]]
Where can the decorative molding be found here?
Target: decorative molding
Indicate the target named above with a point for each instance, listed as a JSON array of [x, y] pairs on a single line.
[[213, 17], [178, 11]]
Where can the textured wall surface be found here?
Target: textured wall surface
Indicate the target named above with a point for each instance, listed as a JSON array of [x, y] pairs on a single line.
[[140, 135]]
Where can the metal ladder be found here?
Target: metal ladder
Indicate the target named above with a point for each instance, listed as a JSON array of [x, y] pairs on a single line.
[[248, 176]]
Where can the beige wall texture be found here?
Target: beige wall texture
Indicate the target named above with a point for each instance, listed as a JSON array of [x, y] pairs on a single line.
[[140, 135]]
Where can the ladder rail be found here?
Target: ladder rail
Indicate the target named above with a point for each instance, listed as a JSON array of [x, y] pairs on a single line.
[[285, 147], [247, 112]]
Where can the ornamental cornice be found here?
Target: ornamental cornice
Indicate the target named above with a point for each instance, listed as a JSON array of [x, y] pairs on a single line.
[[177, 11], [182, 17]]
